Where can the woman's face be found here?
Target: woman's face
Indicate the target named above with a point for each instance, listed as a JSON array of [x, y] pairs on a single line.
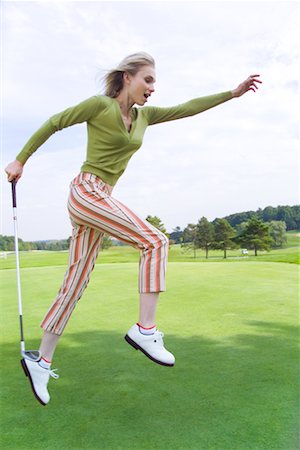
[[141, 85]]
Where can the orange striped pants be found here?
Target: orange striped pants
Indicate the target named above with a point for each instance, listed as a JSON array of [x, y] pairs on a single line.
[[93, 212]]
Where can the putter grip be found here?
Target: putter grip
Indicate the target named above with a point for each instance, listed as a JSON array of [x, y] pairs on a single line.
[[13, 190]]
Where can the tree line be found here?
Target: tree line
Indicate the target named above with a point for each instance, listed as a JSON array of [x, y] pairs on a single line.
[[251, 235], [7, 244], [288, 214], [255, 230], [258, 230]]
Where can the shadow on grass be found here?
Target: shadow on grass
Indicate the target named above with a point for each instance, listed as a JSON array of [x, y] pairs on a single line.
[[237, 393]]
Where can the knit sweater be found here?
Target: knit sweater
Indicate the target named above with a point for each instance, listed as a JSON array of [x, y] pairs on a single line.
[[110, 145]]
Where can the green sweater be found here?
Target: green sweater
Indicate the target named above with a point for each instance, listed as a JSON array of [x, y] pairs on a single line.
[[110, 146]]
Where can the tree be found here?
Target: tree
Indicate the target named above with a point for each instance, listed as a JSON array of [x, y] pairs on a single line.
[[223, 235], [240, 228], [285, 213], [256, 235], [278, 232], [237, 218], [190, 239], [205, 234], [176, 235], [7, 244], [269, 213], [106, 242], [157, 223]]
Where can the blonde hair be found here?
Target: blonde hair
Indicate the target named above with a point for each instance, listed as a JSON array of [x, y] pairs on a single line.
[[131, 64]]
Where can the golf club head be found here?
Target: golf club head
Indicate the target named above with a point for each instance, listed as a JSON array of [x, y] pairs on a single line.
[[32, 355]]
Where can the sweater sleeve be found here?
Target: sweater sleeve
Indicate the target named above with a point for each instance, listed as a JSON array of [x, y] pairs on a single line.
[[82, 112], [158, 115]]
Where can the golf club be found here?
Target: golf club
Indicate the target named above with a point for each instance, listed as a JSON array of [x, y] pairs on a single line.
[[33, 355]]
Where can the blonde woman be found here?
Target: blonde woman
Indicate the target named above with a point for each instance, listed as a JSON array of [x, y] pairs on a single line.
[[115, 132]]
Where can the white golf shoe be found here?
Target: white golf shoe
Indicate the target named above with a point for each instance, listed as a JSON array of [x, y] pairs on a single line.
[[151, 345], [38, 377]]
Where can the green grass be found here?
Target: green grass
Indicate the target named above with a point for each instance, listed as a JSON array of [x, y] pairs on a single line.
[[293, 238], [234, 331]]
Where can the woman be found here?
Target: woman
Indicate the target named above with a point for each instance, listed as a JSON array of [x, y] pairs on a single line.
[[115, 132]]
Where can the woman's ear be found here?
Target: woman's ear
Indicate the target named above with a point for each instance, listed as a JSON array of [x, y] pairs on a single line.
[[127, 77]]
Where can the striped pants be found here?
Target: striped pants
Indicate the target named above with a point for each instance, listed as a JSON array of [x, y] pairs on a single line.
[[93, 212]]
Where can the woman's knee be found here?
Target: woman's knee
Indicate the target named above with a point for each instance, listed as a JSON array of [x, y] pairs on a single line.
[[155, 241]]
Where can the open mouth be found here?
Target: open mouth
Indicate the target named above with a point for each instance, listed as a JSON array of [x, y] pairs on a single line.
[[146, 96]]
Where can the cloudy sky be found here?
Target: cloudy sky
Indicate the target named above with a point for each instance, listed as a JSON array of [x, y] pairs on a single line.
[[239, 156]]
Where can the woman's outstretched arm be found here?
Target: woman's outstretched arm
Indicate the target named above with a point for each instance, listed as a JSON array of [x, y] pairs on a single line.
[[197, 105]]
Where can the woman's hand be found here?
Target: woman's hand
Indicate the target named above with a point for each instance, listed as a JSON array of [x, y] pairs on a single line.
[[247, 85], [14, 170]]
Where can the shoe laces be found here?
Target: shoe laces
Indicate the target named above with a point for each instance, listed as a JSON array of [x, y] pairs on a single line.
[[53, 374], [159, 335]]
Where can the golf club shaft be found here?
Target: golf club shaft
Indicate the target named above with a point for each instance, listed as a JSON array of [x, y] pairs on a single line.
[[14, 202]]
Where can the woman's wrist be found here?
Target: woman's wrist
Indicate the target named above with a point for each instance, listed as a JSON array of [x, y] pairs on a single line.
[[21, 163]]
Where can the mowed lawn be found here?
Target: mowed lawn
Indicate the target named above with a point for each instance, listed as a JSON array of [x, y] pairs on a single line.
[[234, 331]]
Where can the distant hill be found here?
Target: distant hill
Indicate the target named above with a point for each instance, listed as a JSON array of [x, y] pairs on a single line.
[[288, 214]]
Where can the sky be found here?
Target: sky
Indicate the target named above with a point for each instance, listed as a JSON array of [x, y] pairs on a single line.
[[239, 156]]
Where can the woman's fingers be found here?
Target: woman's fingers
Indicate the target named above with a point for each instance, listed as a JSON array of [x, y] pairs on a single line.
[[252, 83], [254, 76]]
